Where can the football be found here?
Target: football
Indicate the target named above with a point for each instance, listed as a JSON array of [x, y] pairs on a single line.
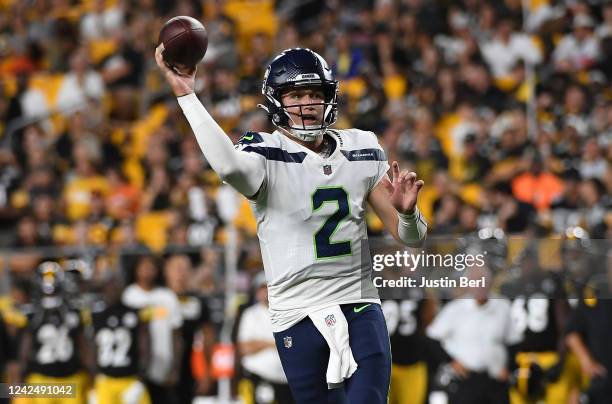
[[185, 41]]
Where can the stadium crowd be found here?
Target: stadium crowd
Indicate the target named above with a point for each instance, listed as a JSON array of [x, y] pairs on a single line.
[[504, 111]]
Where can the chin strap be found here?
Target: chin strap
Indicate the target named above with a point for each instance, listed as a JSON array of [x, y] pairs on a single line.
[[303, 138]]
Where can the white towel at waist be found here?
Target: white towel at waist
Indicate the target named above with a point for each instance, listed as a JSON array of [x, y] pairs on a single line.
[[332, 324]]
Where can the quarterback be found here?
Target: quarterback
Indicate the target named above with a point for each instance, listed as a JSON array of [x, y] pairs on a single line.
[[308, 185]]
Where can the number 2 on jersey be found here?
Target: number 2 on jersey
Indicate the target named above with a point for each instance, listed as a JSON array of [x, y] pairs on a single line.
[[324, 247]]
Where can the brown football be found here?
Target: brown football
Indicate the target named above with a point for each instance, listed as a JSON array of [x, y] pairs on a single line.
[[185, 41]]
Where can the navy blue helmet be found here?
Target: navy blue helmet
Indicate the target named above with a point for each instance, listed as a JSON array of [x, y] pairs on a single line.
[[294, 68]]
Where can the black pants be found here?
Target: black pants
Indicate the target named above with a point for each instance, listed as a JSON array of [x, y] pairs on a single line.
[[161, 394], [184, 391], [282, 393], [479, 388], [600, 390]]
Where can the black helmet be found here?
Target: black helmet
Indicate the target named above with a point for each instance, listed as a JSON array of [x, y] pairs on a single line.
[[299, 67]]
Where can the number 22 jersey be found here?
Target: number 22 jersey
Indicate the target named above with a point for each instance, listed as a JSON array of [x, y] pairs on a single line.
[[310, 220]]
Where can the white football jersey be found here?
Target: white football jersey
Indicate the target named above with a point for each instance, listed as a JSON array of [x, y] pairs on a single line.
[[310, 216]]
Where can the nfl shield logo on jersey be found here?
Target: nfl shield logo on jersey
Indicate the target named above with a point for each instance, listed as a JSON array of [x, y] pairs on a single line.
[[288, 342], [327, 170], [330, 320]]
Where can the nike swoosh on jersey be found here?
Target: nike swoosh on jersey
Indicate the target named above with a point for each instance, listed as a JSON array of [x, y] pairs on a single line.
[[359, 309]]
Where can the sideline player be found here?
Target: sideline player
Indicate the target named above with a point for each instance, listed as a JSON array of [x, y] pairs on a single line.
[[308, 186], [52, 343], [120, 336]]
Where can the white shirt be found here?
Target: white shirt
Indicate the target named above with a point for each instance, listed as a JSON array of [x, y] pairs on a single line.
[[310, 220], [503, 56], [74, 94], [577, 53], [100, 25], [476, 335], [166, 318], [255, 325]]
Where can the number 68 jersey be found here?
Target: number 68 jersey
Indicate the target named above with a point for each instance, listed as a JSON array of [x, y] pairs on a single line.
[[310, 220]]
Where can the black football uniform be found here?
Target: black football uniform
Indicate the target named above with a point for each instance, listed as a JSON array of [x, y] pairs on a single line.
[[403, 324], [55, 333], [116, 333], [533, 311], [409, 376], [541, 371], [592, 321]]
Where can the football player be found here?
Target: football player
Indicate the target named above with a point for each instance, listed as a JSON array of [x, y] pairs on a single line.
[[539, 312], [52, 341], [588, 335], [308, 186], [120, 336], [406, 320]]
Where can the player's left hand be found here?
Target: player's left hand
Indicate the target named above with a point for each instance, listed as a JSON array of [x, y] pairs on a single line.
[[403, 189]]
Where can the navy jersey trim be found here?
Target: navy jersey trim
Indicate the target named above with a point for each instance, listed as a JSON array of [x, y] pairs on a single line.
[[364, 155], [250, 138], [276, 154]]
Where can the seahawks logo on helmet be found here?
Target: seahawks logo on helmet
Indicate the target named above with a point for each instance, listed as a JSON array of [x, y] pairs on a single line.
[[293, 68]]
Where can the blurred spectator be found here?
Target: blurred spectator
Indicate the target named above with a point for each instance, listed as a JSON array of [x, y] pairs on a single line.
[[507, 48], [593, 208], [178, 273], [257, 348], [580, 49], [80, 85], [593, 164], [513, 216], [566, 205], [28, 235], [537, 185], [163, 370], [125, 67], [101, 21], [475, 331]]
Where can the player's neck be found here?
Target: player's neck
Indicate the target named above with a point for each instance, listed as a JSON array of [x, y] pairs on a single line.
[[315, 145], [319, 145]]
